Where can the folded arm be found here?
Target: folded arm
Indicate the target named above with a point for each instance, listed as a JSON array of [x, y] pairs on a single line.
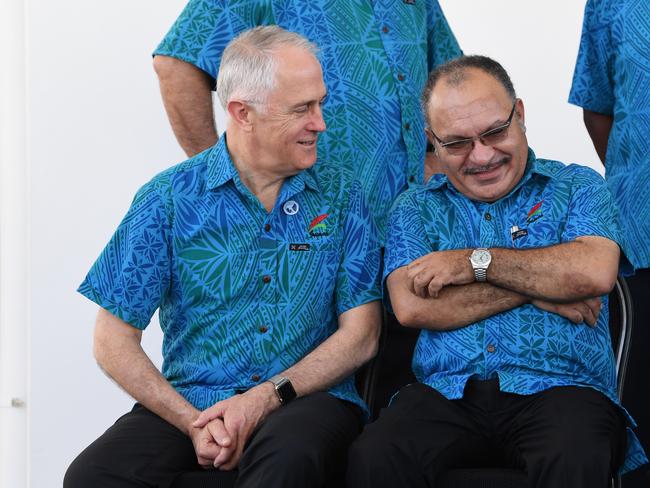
[[583, 268]]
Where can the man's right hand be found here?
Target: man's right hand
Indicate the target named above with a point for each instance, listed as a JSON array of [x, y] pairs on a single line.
[[208, 442], [586, 310]]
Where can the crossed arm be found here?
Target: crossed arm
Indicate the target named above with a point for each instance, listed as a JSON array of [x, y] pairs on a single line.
[[438, 291], [219, 433]]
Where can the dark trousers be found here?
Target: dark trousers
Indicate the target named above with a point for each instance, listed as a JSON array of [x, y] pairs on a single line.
[[636, 392], [565, 437], [302, 444]]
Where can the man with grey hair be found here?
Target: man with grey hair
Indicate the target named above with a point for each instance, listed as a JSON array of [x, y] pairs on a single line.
[[503, 262], [266, 280]]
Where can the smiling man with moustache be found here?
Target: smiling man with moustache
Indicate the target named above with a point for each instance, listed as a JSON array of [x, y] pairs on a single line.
[[501, 262], [266, 278]]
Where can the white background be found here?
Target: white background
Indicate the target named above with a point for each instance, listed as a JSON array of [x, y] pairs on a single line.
[[96, 131]]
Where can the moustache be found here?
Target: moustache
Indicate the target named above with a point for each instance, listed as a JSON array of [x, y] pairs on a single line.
[[487, 167]]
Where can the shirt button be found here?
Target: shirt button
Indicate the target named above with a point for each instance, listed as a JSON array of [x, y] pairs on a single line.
[[255, 377], [266, 279], [267, 227], [263, 329], [385, 29], [488, 216], [400, 77], [407, 126], [491, 348], [412, 178]]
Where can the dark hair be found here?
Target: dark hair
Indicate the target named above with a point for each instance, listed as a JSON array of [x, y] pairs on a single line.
[[454, 73]]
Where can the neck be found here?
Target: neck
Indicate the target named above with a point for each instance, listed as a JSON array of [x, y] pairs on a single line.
[[264, 184]]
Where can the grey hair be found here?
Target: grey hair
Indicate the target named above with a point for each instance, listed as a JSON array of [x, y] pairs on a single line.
[[248, 64], [454, 73]]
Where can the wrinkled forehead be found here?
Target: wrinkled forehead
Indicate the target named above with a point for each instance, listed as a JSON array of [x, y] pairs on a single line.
[[477, 100]]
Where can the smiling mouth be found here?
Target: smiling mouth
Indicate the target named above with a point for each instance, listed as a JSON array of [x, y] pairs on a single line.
[[486, 168], [309, 143]]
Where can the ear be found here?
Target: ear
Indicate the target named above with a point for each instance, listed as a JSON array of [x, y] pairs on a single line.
[[240, 114], [519, 112]]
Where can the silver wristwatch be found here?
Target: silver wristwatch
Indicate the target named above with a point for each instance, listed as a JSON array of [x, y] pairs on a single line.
[[480, 259]]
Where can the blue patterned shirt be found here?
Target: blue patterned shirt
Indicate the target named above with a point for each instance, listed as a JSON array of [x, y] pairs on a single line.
[[376, 56], [530, 350], [612, 77], [243, 294]]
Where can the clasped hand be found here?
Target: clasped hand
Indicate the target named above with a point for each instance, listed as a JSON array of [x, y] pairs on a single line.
[[220, 432]]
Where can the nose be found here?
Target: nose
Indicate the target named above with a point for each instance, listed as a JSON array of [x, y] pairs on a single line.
[[317, 122], [481, 153]]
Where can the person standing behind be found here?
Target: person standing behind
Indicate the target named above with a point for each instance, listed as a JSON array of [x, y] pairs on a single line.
[[376, 56], [612, 84]]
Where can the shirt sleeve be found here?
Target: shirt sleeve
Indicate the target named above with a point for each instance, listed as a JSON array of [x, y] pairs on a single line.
[[358, 274], [205, 27], [592, 211], [592, 87], [131, 276], [406, 233], [443, 45]]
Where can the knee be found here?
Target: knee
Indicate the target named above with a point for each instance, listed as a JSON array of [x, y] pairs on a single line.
[[81, 474]]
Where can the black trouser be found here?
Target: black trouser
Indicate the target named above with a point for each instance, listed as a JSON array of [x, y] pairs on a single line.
[[302, 444], [636, 392], [565, 437]]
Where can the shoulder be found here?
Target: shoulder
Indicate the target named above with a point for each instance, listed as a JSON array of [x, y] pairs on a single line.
[[187, 177], [576, 174]]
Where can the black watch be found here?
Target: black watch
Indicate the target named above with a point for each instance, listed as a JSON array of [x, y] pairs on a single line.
[[283, 388]]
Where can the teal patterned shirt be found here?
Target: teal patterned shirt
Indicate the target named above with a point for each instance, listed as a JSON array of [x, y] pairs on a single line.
[[376, 56], [529, 349], [612, 77], [242, 294]]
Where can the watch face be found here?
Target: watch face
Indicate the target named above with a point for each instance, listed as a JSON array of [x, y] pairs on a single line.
[[481, 257]]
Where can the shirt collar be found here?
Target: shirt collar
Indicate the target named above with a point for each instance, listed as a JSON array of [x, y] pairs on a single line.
[[221, 169], [440, 180]]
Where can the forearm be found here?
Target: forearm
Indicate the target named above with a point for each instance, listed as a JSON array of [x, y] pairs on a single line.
[[187, 96], [586, 267], [598, 126], [454, 307], [119, 354], [352, 345]]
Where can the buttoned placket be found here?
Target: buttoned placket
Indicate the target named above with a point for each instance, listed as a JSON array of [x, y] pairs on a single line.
[[409, 105], [488, 232]]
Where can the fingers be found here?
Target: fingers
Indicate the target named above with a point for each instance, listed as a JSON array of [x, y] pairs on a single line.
[[224, 460], [206, 448], [419, 279], [218, 431], [233, 461], [595, 306], [215, 411]]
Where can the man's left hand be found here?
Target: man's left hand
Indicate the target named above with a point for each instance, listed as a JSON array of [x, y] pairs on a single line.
[[430, 273], [241, 414]]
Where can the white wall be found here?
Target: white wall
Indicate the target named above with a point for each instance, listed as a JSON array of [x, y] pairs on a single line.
[[97, 131]]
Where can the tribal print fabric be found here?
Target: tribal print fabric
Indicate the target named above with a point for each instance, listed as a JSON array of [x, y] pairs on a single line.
[[612, 77], [243, 294], [376, 56], [530, 350]]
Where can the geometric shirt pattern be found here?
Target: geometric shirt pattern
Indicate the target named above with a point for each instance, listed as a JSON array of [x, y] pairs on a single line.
[[242, 293], [375, 54], [612, 77], [529, 349]]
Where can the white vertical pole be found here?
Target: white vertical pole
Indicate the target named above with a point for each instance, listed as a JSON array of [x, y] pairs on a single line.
[[14, 251]]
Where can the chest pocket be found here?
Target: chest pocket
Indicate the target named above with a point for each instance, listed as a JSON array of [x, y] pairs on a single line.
[[536, 234]]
